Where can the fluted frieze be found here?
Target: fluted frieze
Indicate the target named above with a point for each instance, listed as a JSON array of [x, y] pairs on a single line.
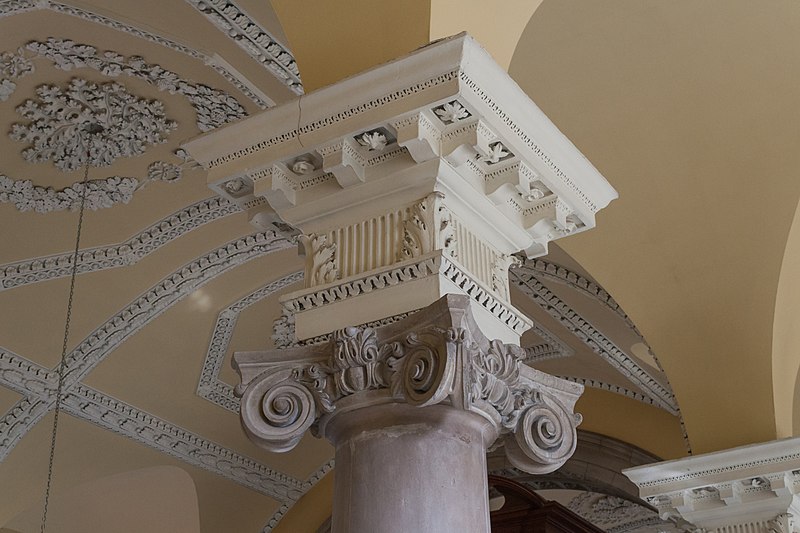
[[437, 356], [439, 152]]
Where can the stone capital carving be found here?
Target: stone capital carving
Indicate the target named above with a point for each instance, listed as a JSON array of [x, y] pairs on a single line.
[[437, 356]]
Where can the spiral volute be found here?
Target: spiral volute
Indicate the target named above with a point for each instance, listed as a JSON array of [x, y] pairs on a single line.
[[545, 437], [277, 410]]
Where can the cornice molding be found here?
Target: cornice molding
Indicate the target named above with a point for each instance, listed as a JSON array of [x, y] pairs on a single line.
[[753, 488], [253, 38], [12, 7], [126, 253]]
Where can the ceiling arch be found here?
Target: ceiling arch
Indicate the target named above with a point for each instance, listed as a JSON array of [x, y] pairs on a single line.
[[682, 127]]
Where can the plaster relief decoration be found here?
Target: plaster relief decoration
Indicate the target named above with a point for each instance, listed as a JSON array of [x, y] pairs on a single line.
[[212, 106], [58, 119], [452, 112], [253, 38], [321, 263], [748, 488], [13, 65], [100, 194], [429, 227], [615, 514], [109, 335], [128, 252]]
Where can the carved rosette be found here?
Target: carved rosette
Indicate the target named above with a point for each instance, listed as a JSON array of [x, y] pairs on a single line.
[[436, 356]]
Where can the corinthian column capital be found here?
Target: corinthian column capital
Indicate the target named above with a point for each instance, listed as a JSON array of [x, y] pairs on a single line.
[[436, 356]]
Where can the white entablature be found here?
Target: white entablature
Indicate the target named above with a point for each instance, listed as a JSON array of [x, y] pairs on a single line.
[[750, 489], [429, 171]]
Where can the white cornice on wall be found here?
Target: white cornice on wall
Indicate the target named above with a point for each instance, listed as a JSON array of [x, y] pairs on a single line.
[[755, 486]]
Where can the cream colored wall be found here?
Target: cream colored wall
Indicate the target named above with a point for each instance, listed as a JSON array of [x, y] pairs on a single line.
[[159, 499], [333, 40], [786, 338], [683, 108], [496, 25]]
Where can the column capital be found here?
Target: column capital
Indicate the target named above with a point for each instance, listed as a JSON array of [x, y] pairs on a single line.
[[436, 356], [415, 179], [756, 485]]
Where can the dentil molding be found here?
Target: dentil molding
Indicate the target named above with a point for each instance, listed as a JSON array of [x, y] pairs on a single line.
[[527, 281], [253, 39], [753, 488], [441, 184]]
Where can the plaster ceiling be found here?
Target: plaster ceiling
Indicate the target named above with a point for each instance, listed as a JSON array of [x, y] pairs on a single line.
[[174, 279]]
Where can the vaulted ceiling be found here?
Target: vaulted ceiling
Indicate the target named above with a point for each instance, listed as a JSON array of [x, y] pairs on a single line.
[[676, 312]]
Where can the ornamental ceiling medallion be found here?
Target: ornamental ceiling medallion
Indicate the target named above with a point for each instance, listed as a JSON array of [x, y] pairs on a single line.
[[58, 116]]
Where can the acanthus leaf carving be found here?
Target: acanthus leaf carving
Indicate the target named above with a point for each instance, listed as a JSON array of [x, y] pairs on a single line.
[[500, 268], [427, 363], [430, 227], [321, 262]]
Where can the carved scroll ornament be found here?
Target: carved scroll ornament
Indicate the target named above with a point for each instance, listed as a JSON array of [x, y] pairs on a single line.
[[436, 356]]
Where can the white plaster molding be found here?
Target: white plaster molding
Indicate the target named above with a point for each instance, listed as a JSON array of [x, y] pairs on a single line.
[[529, 284], [614, 514], [213, 107], [57, 121], [253, 39], [560, 274], [28, 378], [125, 253], [602, 385], [365, 99], [310, 482], [542, 352], [210, 386], [103, 340], [448, 275], [100, 194], [124, 419], [12, 7], [460, 182], [755, 486], [13, 65]]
